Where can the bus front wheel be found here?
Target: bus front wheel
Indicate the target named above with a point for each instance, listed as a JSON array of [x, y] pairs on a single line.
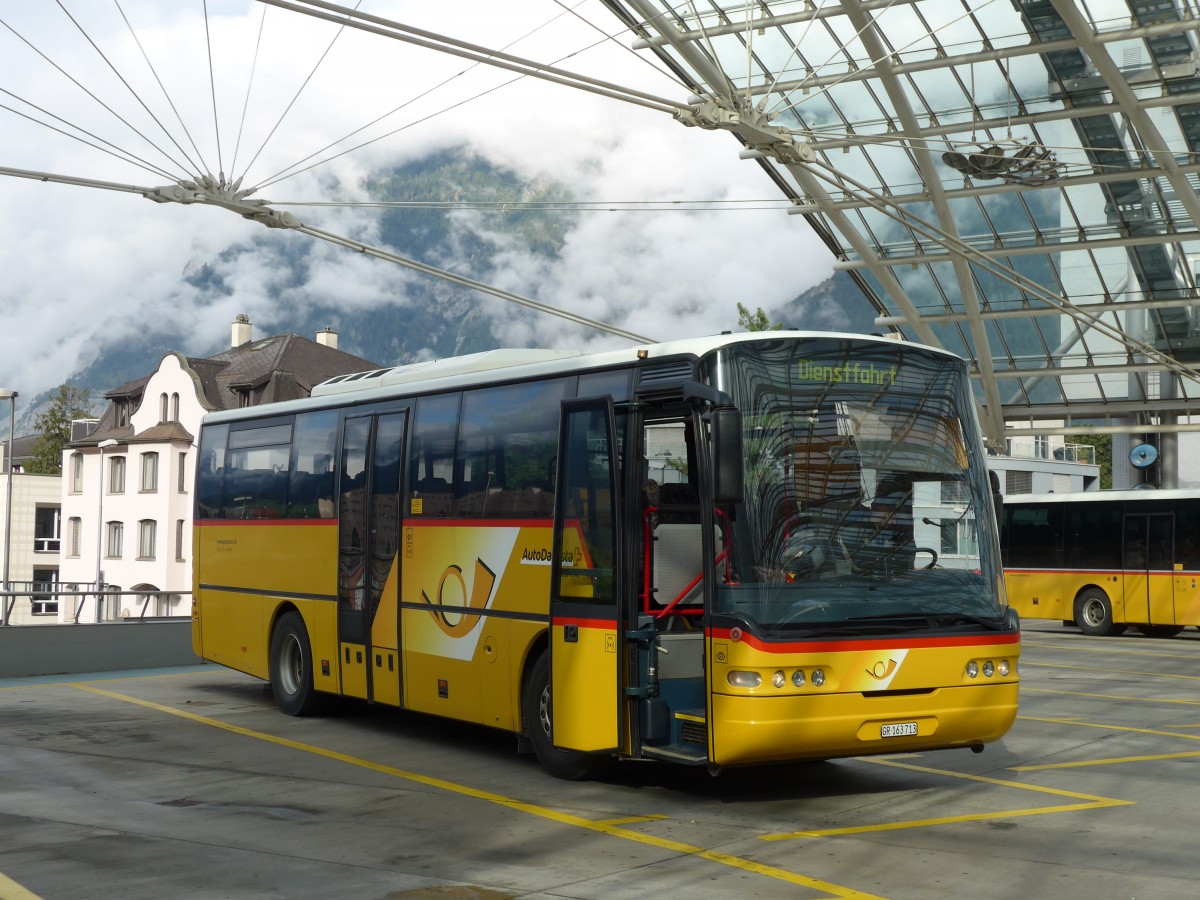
[[537, 708], [292, 669], [1094, 615]]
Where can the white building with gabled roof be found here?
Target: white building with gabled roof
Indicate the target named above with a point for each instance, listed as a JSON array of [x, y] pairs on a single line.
[[127, 486]]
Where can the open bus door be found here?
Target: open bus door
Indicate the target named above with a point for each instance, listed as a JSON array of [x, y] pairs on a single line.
[[585, 578]]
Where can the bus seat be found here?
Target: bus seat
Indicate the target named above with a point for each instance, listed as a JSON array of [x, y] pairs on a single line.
[[678, 504]]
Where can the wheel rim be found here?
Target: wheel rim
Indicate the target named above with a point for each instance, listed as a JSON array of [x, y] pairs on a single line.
[[544, 710], [1093, 612], [291, 664]]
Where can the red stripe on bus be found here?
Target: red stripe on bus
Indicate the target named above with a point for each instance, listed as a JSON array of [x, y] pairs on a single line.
[[605, 624], [475, 523], [1098, 573], [246, 523], [909, 643]]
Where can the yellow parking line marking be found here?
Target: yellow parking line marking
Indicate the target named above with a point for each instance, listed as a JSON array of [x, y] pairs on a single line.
[[1089, 801], [1112, 761], [1109, 671], [1029, 690], [1108, 650], [64, 681], [562, 818], [1107, 727], [631, 820], [10, 890], [1106, 762]]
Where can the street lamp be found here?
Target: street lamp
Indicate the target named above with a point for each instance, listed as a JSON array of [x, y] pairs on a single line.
[[103, 445], [11, 397]]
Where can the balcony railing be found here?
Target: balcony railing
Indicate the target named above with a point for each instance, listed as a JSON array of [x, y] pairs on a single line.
[[34, 602], [46, 545]]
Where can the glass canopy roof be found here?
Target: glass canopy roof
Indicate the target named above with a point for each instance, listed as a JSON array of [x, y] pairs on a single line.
[[1014, 180]]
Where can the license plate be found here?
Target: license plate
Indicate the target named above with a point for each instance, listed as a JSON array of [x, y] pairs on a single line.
[[900, 729]]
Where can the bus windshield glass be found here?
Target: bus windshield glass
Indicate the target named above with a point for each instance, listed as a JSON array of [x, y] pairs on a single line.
[[867, 505]]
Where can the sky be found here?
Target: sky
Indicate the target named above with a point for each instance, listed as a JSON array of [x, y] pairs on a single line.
[[82, 266]]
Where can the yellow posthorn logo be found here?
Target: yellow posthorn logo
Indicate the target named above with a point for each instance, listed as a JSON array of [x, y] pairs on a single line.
[[456, 622], [882, 670]]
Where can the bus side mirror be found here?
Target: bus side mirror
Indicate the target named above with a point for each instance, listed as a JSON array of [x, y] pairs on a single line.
[[725, 434]]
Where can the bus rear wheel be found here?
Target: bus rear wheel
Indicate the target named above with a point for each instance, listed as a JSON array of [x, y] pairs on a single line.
[[1094, 615], [537, 709], [291, 668]]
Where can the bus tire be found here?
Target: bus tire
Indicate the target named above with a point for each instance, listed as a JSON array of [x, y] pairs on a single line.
[[1094, 615], [291, 668], [536, 705]]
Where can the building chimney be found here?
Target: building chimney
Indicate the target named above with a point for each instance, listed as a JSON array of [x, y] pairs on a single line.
[[241, 330], [327, 337]]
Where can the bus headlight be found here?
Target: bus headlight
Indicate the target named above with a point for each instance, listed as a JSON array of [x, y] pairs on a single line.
[[972, 669], [744, 679], [1003, 667], [779, 679], [798, 678], [988, 669], [818, 677]]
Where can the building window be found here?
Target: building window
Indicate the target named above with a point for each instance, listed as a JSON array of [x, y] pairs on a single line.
[[149, 472], [121, 413], [116, 536], [1018, 482], [44, 600], [162, 407], [174, 407], [116, 475], [47, 529], [74, 536], [76, 473], [147, 531], [179, 531], [959, 538], [183, 473]]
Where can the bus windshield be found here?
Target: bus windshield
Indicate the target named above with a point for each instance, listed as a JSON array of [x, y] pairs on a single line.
[[861, 509]]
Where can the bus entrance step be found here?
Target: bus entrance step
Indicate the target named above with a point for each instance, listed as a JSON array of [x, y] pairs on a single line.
[[680, 753]]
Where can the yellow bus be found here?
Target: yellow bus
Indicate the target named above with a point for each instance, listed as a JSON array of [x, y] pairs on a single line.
[[717, 551], [1105, 560]]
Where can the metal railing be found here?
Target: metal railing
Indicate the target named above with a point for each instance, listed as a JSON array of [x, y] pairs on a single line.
[[78, 604]]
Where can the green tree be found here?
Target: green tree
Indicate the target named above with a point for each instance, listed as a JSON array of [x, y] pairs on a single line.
[[53, 427], [1103, 445], [756, 321]]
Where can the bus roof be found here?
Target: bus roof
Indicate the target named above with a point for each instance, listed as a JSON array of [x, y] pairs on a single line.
[[1137, 496], [491, 366]]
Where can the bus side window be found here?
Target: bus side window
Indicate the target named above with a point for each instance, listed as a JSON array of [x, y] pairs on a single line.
[[310, 494], [1187, 535], [210, 471], [431, 467], [507, 447], [256, 474]]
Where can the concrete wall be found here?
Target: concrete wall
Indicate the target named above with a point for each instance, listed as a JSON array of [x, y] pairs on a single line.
[[67, 649]]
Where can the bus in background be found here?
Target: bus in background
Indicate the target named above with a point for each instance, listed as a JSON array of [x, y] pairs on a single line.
[[717, 551], [1105, 560]]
